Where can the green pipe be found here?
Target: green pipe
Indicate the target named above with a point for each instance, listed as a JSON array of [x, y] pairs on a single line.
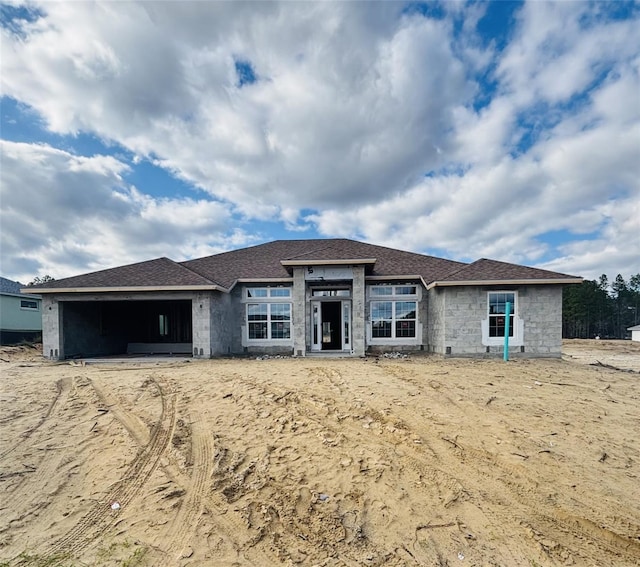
[[507, 316]]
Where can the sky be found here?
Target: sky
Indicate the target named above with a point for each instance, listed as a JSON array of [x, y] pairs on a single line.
[[504, 130]]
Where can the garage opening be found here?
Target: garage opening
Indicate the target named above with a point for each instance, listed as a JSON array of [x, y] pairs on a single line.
[[100, 328]]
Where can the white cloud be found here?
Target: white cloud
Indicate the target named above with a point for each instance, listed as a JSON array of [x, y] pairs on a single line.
[[354, 104], [63, 214]]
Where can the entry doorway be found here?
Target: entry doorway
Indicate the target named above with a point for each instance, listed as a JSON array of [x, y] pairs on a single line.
[[331, 325]]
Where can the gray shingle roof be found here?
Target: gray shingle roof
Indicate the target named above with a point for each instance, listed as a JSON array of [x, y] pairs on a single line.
[[161, 272], [265, 262], [490, 270], [9, 286]]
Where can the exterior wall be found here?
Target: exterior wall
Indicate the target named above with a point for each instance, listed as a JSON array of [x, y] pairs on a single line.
[[223, 332], [15, 318], [458, 314], [421, 341], [52, 320], [18, 323], [358, 322], [301, 313], [237, 332], [436, 309], [213, 331]]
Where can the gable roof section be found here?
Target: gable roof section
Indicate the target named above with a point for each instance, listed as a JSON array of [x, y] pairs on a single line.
[[158, 274], [270, 260], [487, 272]]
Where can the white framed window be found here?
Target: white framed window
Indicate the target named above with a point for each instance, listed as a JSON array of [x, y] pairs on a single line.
[[268, 314], [269, 321], [393, 319], [29, 304], [394, 312], [266, 292], [497, 306], [494, 325]]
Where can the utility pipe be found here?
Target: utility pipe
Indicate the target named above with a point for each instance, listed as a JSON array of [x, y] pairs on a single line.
[[507, 318]]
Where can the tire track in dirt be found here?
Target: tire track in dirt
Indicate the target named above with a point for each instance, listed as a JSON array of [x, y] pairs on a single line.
[[184, 525], [101, 516], [226, 521], [24, 500], [63, 387]]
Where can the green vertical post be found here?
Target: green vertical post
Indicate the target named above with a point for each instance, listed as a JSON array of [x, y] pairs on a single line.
[[507, 320]]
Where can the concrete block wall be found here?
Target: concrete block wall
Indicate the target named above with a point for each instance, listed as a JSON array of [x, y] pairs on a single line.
[[457, 314], [358, 322], [224, 333], [465, 308], [201, 311], [542, 310], [52, 318], [435, 321], [301, 337]]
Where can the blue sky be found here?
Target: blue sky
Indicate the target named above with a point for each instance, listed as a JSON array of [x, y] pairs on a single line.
[[508, 130]]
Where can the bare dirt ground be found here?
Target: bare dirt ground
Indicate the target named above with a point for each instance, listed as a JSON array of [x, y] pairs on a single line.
[[322, 462]]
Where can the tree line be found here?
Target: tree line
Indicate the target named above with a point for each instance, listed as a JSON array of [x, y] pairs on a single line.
[[600, 308]]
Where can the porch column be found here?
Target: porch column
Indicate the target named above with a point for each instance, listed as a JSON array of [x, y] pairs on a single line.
[[52, 328], [299, 313], [357, 311]]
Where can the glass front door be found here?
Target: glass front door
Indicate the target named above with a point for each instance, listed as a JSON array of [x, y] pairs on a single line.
[[330, 325]]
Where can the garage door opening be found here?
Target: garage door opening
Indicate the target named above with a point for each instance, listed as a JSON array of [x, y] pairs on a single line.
[[93, 328]]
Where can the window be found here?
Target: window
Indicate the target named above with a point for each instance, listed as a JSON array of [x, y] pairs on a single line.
[[264, 292], [497, 311], [393, 290], [393, 315], [267, 321], [163, 325], [28, 304], [393, 319], [331, 293]]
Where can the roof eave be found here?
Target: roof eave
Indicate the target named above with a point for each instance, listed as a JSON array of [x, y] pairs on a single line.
[[121, 289], [318, 262], [547, 281]]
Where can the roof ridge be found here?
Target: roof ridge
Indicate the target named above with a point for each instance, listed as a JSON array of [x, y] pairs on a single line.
[[181, 264]]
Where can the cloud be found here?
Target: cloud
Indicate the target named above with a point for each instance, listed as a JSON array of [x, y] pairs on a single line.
[[359, 120], [63, 213]]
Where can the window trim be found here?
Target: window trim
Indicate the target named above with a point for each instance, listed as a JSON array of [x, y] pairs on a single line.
[[272, 295], [24, 307], [517, 328], [269, 321]]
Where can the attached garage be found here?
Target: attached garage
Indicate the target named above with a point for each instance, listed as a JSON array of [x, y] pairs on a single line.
[[100, 328]]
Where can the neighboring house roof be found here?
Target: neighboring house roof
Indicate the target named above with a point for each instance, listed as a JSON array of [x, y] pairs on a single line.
[[9, 287], [274, 261], [486, 271], [634, 328]]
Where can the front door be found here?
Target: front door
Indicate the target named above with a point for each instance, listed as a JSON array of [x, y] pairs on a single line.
[[331, 314], [330, 325]]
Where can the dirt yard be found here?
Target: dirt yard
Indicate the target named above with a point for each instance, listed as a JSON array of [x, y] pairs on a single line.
[[322, 462]]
